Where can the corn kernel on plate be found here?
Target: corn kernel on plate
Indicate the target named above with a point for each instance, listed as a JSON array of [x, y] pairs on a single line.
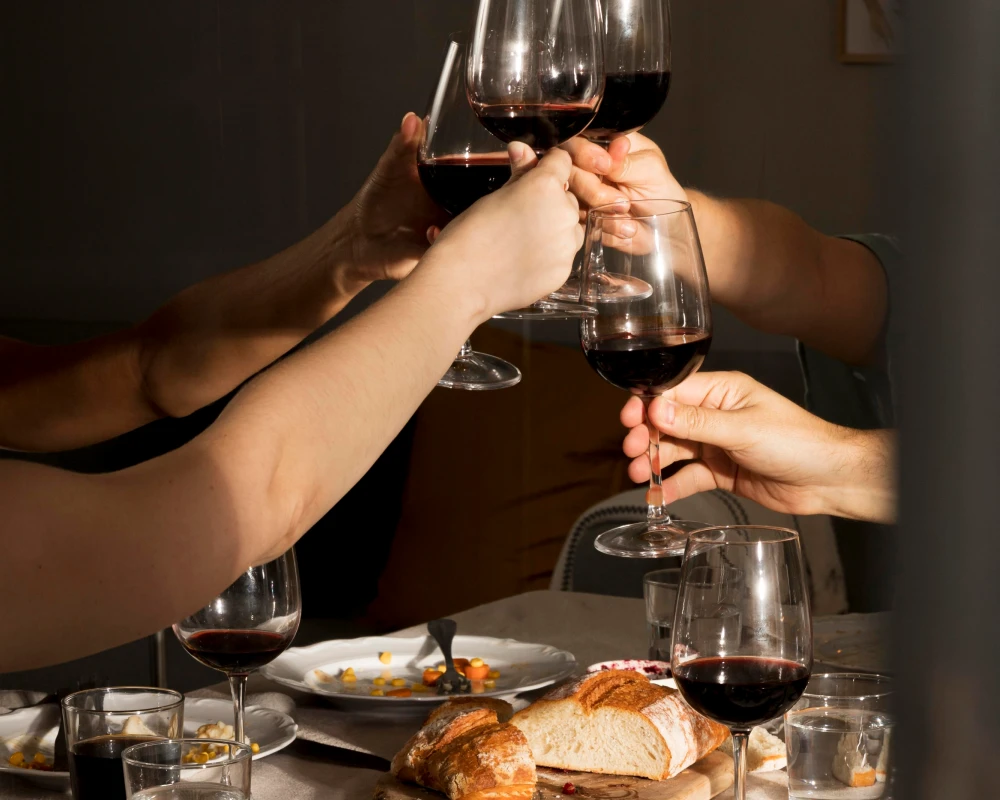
[[357, 673], [270, 730]]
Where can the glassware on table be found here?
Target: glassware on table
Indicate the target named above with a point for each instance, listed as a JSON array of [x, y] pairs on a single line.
[[536, 75], [647, 345], [459, 162], [659, 588], [169, 770], [247, 626], [100, 723], [745, 680], [637, 57], [838, 737]]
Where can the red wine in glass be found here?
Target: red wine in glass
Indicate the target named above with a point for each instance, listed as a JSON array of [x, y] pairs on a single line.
[[741, 691], [541, 126], [631, 100], [650, 362], [455, 182], [236, 652]]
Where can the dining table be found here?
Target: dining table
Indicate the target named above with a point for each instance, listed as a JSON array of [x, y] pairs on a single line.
[[342, 754]]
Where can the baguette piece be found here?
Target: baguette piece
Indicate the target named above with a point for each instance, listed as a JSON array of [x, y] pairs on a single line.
[[850, 765], [765, 751], [468, 751], [618, 723]]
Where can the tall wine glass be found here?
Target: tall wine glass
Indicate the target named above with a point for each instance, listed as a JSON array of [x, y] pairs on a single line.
[[649, 344], [758, 575], [459, 162], [536, 75], [247, 626], [636, 65]]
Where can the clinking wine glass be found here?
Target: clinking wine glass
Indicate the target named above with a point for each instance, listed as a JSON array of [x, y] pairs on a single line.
[[460, 162], [749, 673], [536, 75], [650, 344], [247, 626], [637, 59]]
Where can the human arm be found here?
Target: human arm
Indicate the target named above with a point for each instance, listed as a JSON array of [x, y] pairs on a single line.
[[743, 437], [765, 264], [210, 338], [121, 555]]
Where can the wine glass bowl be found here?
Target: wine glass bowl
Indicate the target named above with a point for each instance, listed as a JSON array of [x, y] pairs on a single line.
[[651, 342], [247, 626], [460, 162], [637, 64], [741, 652]]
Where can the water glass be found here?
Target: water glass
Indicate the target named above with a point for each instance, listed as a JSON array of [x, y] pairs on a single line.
[[173, 770], [838, 738], [101, 723], [660, 590]]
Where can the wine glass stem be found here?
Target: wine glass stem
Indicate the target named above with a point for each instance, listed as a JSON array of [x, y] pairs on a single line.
[[656, 511], [466, 350], [238, 687], [740, 739]]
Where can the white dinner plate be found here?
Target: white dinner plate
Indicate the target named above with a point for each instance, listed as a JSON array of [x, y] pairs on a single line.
[[317, 669], [31, 730], [270, 729]]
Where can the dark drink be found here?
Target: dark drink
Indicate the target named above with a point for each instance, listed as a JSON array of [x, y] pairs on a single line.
[[649, 363], [236, 652], [630, 101], [741, 691], [95, 767], [456, 182], [541, 127]]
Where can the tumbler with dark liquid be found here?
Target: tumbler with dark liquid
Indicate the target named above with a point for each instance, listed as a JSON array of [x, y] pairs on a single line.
[[101, 723]]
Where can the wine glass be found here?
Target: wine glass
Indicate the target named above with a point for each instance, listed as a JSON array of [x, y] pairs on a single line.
[[536, 75], [460, 162], [247, 626], [648, 344], [637, 79], [758, 575], [636, 66]]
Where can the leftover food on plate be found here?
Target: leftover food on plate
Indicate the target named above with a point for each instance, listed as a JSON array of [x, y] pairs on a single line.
[[202, 754], [765, 751], [385, 685], [651, 669], [37, 762]]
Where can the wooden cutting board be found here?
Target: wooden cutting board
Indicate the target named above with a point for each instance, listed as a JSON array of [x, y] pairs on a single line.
[[703, 781]]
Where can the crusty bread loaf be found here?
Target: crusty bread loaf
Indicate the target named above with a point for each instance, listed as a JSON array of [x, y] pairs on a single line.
[[765, 751], [617, 723], [467, 750]]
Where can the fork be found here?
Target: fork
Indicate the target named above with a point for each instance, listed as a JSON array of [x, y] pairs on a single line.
[[452, 681]]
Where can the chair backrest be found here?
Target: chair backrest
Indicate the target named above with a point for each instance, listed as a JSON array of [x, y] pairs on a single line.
[[581, 568]]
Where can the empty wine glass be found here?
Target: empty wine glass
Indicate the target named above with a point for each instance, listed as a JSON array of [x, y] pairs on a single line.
[[748, 672], [649, 344], [247, 626], [536, 75], [459, 162]]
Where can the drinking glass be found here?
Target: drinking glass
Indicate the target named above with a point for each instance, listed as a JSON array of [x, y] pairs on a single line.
[[838, 736], [536, 75], [164, 770], [247, 626], [459, 162], [636, 66], [746, 679], [100, 723], [647, 345], [659, 588]]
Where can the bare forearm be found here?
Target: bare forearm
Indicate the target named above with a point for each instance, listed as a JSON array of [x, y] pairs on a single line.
[[781, 276], [866, 489]]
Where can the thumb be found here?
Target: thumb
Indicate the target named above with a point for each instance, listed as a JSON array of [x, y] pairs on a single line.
[[402, 150], [696, 423], [522, 159]]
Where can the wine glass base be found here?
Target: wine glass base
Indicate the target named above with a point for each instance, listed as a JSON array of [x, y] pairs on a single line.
[[549, 309], [606, 287], [641, 540], [479, 372]]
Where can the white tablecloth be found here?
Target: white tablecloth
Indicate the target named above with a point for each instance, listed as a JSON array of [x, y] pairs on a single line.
[[342, 755]]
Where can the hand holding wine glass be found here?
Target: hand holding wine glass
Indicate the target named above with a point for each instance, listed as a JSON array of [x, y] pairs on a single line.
[[748, 672], [247, 626]]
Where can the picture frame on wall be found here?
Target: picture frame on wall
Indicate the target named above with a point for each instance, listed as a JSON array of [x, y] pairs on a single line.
[[870, 31]]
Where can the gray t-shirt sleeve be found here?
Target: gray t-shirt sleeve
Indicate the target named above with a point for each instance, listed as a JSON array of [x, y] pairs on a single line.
[[857, 397]]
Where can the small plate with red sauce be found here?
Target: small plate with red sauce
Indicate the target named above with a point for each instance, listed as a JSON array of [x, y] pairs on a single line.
[[658, 672]]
